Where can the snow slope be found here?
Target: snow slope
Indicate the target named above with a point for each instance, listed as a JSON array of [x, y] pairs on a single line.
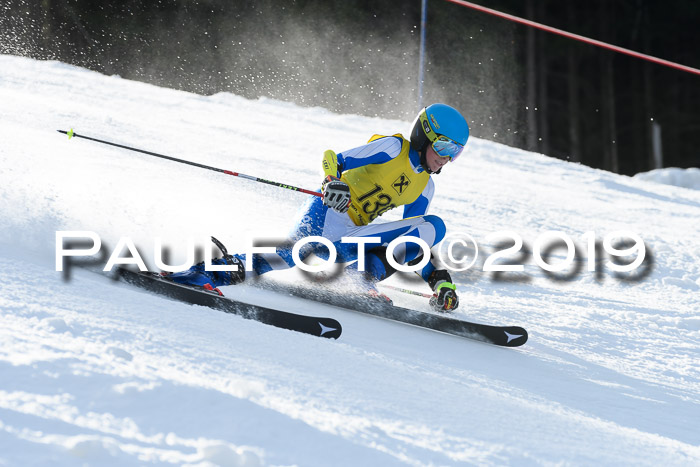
[[97, 373], [686, 178]]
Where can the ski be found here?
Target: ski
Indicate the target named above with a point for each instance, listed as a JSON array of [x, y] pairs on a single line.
[[321, 327], [506, 336]]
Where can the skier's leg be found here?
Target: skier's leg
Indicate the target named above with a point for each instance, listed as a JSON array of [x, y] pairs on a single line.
[[197, 275], [429, 228], [314, 219], [311, 214]]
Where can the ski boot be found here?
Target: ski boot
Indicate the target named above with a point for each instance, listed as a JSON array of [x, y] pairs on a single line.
[[211, 280], [379, 296], [369, 283]]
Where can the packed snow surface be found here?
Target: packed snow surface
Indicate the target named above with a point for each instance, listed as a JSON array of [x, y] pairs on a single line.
[[686, 178], [94, 372]]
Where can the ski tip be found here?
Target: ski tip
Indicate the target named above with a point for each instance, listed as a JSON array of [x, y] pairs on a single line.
[[515, 337], [330, 328]]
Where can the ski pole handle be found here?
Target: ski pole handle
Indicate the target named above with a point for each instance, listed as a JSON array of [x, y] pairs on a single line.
[[72, 134]]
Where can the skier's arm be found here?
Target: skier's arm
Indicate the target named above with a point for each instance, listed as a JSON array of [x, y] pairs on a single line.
[[377, 152], [335, 192], [444, 291], [421, 205], [331, 168]]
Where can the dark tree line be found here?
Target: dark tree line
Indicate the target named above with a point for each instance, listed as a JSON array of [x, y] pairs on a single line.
[[603, 108], [516, 85]]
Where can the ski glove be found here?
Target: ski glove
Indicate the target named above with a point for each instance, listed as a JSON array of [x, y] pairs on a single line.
[[336, 194], [444, 291]]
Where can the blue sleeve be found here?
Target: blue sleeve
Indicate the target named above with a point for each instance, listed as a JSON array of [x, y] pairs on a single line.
[[377, 152], [420, 206]]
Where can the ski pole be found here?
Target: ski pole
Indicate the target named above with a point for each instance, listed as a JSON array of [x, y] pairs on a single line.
[[72, 134], [407, 291]]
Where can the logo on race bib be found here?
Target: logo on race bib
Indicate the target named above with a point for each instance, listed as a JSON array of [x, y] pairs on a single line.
[[401, 183]]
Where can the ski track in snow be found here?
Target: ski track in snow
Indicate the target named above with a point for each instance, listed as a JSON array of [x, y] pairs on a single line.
[[97, 373]]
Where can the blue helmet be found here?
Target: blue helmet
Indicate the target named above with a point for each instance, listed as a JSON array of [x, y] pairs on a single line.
[[440, 125]]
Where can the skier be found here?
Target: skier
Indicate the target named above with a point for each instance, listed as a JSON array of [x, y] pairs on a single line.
[[360, 185]]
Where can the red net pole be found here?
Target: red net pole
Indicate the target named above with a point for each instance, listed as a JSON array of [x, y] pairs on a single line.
[[576, 37]]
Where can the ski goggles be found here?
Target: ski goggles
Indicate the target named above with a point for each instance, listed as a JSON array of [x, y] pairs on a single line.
[[445, 147]]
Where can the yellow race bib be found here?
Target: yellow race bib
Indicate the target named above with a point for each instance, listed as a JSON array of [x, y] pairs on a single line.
[[377, 188]]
